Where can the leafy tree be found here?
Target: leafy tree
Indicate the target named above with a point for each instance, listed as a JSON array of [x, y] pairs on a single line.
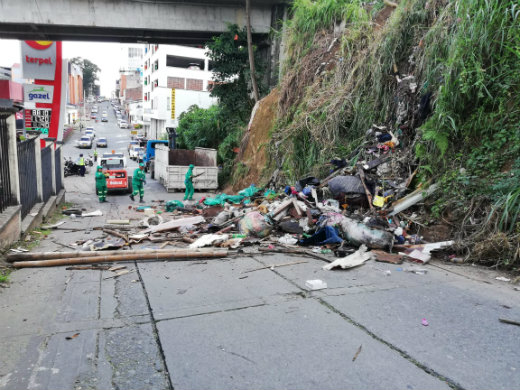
[[229, 57], [90, 71]]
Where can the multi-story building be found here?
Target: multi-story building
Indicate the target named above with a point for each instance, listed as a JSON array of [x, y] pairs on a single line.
[[75, 92], [131, 57], [175, 78]]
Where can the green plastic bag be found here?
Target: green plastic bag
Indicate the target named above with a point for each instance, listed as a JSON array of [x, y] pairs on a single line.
[[249, 191], [171, 205]]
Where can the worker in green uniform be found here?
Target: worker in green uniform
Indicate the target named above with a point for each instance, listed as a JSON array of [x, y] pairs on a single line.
[[138, 182], [101, 184], [188, 181]]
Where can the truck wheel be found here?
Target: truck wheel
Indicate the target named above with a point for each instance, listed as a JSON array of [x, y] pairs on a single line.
[[152, 170], [130, 186]]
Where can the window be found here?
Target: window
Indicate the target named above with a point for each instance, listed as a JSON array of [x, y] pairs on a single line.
[[175, 82], [168, 105], [184, 62], [194, 84]]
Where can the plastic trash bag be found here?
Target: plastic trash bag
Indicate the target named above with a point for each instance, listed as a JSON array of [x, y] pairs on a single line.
[[358, 233], [255, 224], [171, 205]]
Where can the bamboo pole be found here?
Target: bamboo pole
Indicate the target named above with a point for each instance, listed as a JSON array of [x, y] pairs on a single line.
[[168, 255], [61, 255]]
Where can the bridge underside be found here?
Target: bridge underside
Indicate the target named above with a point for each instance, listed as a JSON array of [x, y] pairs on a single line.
[[109, 34]]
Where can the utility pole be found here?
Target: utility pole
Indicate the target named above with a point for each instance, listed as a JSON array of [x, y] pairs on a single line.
[[250, 51]]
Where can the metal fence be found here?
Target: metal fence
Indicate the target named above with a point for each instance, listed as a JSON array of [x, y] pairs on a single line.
[[27, 171], [57, 169], [6, 196], [47, 172]]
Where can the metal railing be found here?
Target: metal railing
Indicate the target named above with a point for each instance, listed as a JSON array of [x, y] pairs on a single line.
[[46, 172], [28, 179], [6, 196], [58, 169]]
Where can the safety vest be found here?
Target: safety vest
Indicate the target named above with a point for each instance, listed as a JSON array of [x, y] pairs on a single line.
[[95, 153], [81, 161]]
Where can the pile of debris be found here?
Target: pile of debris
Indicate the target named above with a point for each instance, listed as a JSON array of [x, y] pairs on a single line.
[[359, 212]]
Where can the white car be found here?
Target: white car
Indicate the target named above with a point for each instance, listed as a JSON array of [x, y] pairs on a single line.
[[85, 142], [136, 152], [123, 124], [89, 133]]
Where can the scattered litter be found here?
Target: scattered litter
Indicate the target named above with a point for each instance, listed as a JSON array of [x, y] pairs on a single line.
[[315, 284], [209, 239], [175, 224], [96, 213], [288, 240], [48, 227], [355, 259], [357, 353], [502, 279], [417, 271], [424, 322], [72, 337]]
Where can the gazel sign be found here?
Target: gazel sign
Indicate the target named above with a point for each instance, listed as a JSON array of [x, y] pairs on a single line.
[[38, 93]]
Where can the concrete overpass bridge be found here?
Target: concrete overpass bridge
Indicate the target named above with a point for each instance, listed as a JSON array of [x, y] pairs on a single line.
[[185, 22]]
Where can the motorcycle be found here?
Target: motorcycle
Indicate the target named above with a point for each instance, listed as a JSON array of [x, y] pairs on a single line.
[[70, 168], [89, 161]]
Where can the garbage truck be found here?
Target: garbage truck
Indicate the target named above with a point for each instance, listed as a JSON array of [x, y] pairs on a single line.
[[171, 165]]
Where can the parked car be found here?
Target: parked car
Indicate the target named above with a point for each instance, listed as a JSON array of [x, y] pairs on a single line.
[[101, 142], [136, 153], [123, 124], [93, 116], [90, 133], [131, 145], [104, 118], [85, 142]]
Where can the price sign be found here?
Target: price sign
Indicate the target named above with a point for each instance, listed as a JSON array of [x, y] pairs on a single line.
[[38, 119]]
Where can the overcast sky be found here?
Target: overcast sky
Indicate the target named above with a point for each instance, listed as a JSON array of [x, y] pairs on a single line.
[[104, 55]]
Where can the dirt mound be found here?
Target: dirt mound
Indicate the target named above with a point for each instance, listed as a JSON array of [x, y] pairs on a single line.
[[252, 157]]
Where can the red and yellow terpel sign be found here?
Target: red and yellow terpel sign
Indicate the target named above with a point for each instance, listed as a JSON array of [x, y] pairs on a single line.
[[42, 61], [39, 45]]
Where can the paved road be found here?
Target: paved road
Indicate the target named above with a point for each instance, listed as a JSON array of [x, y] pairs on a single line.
[[213, 325]]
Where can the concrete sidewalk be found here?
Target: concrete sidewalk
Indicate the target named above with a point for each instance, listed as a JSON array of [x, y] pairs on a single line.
[[212, 325]]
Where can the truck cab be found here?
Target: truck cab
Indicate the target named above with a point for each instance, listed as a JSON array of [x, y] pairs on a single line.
[[115, 165], [150, 154]]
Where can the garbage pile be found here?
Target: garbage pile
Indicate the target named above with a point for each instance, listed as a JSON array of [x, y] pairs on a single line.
[[361, 211]]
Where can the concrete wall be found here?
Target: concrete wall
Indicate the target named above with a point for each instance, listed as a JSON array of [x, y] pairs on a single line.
[[10, 225]]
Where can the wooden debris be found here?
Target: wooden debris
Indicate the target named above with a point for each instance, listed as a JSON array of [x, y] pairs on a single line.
[[386, 257], [511, 322], [116, 267], [101, 257], [118, 222], [357, 353], [120, 273], [367, 192], [116, 234], [275, 266]]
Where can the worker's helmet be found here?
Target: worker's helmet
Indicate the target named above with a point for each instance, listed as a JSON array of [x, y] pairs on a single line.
[[141, 164], [99, 167], [192, 166]]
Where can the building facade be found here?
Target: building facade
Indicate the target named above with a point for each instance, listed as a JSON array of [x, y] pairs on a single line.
[[174, 79]]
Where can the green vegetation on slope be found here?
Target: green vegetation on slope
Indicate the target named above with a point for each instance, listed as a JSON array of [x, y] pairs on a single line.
[[464, 56]]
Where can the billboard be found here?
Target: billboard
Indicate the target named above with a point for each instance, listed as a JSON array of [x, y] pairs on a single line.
[[38, 93], [38, 60], [38, 119]]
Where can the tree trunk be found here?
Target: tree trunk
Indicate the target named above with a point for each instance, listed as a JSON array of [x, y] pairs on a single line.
[[250, 51]]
